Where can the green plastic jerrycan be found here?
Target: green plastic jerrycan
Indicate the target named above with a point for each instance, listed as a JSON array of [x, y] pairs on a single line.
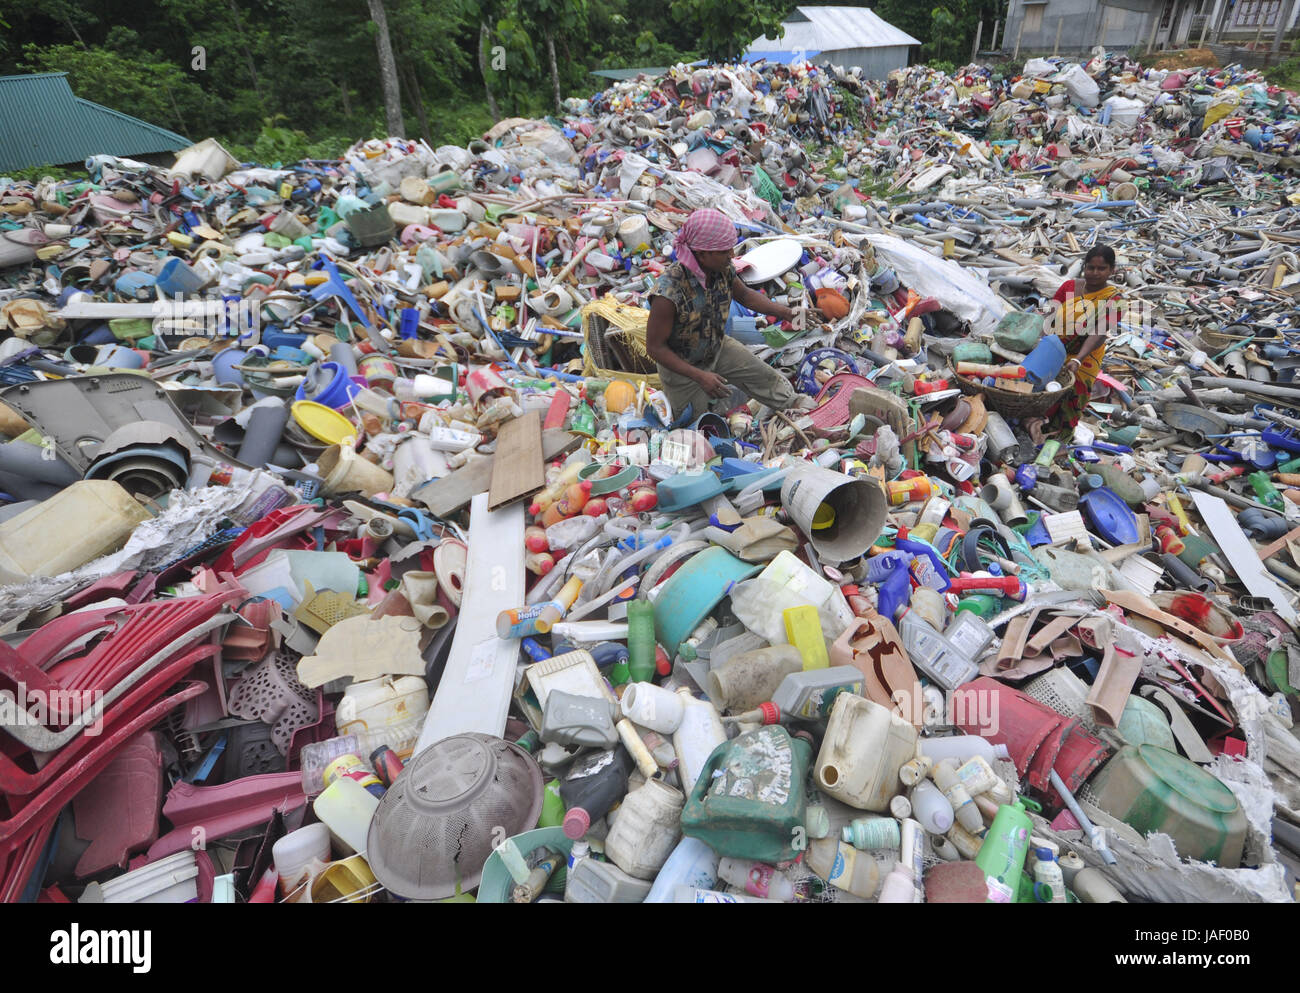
[[754, 809]]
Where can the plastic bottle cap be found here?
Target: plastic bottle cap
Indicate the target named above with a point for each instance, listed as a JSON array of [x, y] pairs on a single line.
[[1044, 855], [576, 823], [771, 713]]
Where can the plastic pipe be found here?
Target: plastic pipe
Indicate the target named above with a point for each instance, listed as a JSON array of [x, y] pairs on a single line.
[[31, 462], [1095, 837]]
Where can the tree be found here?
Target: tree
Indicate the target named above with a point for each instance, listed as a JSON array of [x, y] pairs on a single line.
[[387, 70], [725, 28]]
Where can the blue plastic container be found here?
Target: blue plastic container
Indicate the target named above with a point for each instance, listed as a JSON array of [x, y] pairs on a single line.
[[335, 392]]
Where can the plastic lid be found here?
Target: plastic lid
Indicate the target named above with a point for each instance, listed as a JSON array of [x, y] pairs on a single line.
[[1042, 893], [323, 423], [576, 822], [771, 713], [1044, 855]]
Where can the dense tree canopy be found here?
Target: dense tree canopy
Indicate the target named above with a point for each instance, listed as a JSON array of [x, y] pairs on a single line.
[[286, 78]]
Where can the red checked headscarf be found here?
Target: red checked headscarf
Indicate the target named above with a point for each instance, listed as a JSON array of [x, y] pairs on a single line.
[[706, 230]]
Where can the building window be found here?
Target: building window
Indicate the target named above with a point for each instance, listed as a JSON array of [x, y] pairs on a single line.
[[1257, 13], [1034, 18]]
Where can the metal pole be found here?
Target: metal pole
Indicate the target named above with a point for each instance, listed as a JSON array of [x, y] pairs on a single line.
[[1056, 45], [975, 48]]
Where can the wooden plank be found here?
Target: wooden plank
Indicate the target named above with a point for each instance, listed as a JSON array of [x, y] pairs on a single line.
[[445, 496], [517, 468], [1268, 551], [474, 692]]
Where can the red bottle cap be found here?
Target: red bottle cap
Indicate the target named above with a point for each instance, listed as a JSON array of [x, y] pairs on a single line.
[[576, 822]]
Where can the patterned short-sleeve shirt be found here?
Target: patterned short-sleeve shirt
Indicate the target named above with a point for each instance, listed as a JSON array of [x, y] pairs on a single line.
[[702, 311]]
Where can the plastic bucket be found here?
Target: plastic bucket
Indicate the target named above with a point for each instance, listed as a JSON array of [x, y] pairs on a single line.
[[286, 223], [1045, 361], [349, 881], [176, 278], [344, 471], [858, 505], [379, 372], [371, 227], [223, 367], [336, 392], [119, 357]]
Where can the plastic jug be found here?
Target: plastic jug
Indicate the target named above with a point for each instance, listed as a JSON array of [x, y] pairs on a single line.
[[750, 678], [698, 734], [811, 693], [389, 709], [346, 808], [88, 519], [757, 879], [646, 829], [692, 863], [572, 719], [592, 785], [749, 801], [864, 747], [592, 881]]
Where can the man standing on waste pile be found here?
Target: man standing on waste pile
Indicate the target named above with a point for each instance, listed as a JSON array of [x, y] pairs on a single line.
[[689, 309]]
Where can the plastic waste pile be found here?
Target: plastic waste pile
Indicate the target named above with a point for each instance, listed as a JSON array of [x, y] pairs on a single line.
[[346, 523]]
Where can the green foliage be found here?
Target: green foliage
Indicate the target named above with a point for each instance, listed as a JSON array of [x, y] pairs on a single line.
[[277, 144], [146, 87], [725, 28], [1285, 74], [34, 174]]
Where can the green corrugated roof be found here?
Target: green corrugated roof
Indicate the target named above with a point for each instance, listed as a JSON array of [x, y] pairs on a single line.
[[43, 123]]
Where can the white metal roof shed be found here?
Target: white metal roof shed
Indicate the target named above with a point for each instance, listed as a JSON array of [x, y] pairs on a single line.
[[828, 29]]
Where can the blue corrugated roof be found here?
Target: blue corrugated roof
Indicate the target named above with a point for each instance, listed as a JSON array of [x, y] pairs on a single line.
[[43, 123], [778, 58]]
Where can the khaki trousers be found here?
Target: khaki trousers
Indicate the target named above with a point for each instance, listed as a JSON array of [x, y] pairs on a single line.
[[740, 368]]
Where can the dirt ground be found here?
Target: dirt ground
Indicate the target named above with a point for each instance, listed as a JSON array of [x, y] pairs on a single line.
[[1187, 57]]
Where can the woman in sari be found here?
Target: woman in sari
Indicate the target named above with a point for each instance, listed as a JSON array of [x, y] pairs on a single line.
[[1086, 321]]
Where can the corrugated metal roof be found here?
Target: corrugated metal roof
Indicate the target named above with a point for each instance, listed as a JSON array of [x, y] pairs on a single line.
[[43, 123], [829, 29]]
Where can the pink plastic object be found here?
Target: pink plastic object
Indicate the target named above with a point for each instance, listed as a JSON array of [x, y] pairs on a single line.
[[833, 400], [271, 693], [18, 780], [17, 869], [219, 811], [1023, 723], [118, 812], [31, 816], [102, 589]]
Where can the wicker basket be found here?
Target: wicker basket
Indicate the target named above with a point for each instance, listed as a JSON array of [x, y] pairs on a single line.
[[1012, 404], [615, 338]]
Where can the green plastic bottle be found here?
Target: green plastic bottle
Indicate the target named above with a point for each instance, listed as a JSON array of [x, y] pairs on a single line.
[[552, 806], [1265, 490], [641, 641], [1002, 856], [981, 604]]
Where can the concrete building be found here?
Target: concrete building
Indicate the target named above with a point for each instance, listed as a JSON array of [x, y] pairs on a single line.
[[843, 36], [1079, 25]]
